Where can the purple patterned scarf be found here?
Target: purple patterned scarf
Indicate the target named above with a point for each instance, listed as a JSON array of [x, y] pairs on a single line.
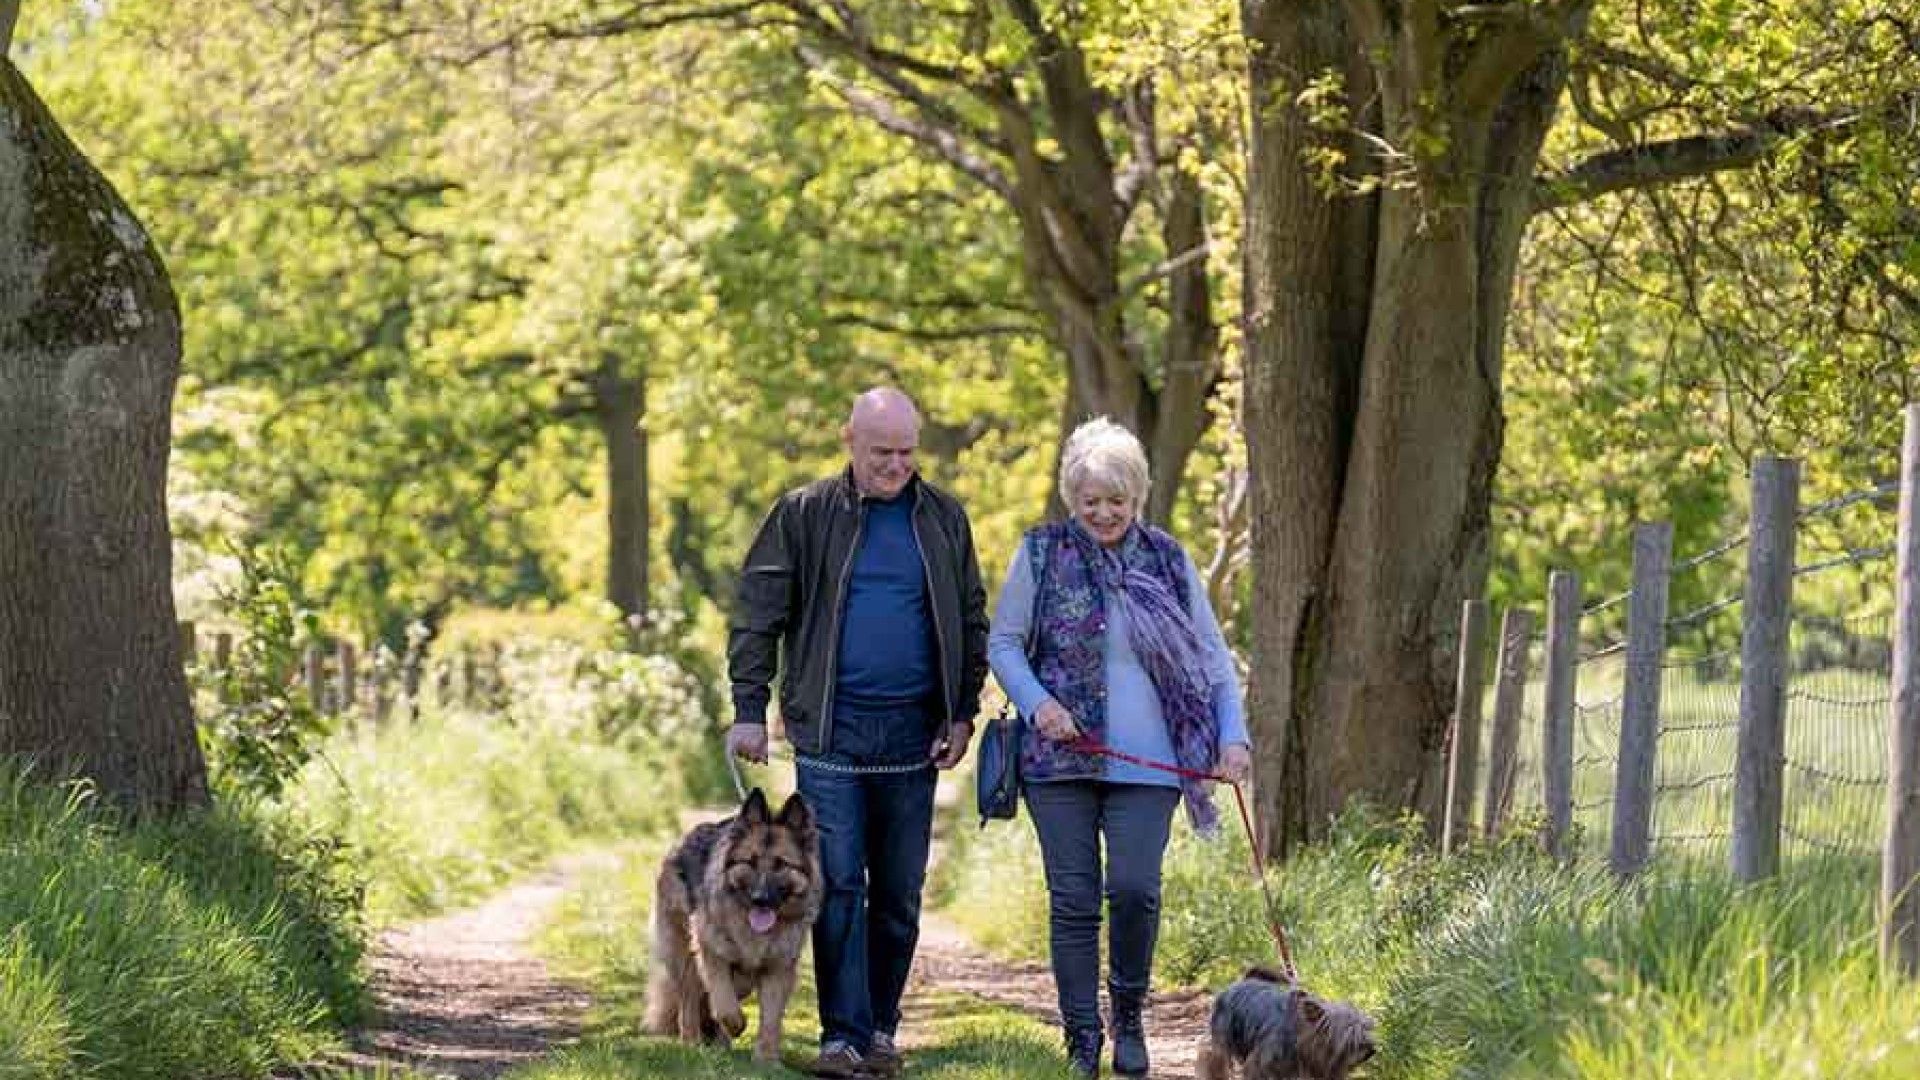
[[1150, 591]]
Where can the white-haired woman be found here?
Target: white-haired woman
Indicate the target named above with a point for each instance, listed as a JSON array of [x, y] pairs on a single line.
[[1104, 636]]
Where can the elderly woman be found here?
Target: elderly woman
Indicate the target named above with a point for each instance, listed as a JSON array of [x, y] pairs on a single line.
[[1104, 636]]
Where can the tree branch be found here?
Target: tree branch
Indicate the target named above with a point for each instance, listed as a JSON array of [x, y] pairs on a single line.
[[1500, 57], [1075, 254], [1165, 268], [943, 141], [892, 68], [1143, 159], [647, 15], [1671, 160], [1650, 68], [928, 333], [1073, 111]]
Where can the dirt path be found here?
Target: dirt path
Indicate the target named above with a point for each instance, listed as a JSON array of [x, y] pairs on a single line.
[[949, 962], [463, 996]]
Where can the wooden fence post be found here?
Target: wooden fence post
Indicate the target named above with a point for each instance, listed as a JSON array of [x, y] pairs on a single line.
[[1563, 666], [1766, 615], [189, 644], [349, 677], [469, 677], [1640, 698], [1900, 862], [1463, 753], [1509, 694], [316, 678], [223, 652]]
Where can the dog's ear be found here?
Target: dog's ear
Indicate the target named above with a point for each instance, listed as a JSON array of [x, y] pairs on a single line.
[[796, 814], [1264, 974], [754, 811]]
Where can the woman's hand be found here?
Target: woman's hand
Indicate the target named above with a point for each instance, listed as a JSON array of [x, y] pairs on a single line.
[[1055, 722], [1236, 763]]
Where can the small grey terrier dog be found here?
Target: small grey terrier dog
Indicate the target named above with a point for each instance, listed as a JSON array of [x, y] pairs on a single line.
[[1270, 1029]]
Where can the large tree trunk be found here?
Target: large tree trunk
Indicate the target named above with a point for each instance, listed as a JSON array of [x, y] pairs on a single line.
[[1372, 439], [1412, 526], [1306, 297], [620, 407], [91, 680]]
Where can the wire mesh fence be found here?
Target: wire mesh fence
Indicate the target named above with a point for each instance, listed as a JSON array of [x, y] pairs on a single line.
[[1833, 768]]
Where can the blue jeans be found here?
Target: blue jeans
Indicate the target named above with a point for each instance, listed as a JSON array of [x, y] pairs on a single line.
[[1072, 817], [874, 834]]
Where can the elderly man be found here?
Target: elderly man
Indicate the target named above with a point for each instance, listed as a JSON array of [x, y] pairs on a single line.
[[865, 590]]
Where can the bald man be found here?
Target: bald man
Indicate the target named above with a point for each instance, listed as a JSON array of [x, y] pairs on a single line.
[[863, 590]]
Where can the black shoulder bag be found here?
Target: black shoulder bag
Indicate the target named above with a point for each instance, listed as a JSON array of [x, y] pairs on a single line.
[[997, 771]]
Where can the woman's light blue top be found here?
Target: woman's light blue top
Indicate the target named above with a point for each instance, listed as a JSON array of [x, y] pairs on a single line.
[[1134, 721]]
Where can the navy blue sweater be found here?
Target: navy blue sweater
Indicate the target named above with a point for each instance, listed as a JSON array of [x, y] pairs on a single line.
[[887, 656]]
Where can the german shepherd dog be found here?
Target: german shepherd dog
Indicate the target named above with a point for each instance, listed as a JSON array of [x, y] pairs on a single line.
[[731, 910]]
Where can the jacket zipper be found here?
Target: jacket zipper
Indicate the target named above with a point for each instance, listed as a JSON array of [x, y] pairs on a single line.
[[839, 608], [933, 608]]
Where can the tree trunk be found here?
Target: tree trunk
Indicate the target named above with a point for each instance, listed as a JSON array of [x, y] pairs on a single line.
[[1372, 440], [91, 679], [1412, 526], [620, 407], [1306, 303], [1191, 357]]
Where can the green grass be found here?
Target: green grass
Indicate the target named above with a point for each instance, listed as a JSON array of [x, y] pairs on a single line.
[[210, 946], [1500, 963], [576, 744], [448, 809]]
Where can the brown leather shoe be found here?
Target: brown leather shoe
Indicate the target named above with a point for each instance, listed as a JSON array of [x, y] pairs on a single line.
[[838, 1061]]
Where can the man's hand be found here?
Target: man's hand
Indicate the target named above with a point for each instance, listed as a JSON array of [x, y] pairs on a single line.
[[950, 752], [1055, 722], [1236, 763], [748, 741]]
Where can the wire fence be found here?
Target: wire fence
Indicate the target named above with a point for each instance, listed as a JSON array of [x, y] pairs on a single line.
[[1837, 697]]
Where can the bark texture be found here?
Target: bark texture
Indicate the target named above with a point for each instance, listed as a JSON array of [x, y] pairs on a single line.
[[91, 678], [1374, 331]]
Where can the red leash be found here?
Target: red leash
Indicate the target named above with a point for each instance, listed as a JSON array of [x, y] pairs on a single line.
[[1086, 744]]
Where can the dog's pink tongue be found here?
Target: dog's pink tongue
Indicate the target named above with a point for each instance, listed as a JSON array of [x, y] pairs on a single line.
[[761, 919]]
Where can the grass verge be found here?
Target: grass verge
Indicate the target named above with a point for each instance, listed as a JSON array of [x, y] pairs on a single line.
[[213, 945], [1500, 963]]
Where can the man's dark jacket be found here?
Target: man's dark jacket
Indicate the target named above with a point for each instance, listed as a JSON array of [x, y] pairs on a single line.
[[793, 593]]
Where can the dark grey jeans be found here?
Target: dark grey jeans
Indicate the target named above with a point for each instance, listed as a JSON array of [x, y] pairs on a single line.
[[1073, 817]]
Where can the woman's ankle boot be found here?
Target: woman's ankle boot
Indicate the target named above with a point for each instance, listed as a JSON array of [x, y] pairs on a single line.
[[1083, 1052], [1129, 1036]]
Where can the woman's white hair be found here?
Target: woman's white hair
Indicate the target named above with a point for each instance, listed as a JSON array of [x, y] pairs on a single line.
[[1103, 454]]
